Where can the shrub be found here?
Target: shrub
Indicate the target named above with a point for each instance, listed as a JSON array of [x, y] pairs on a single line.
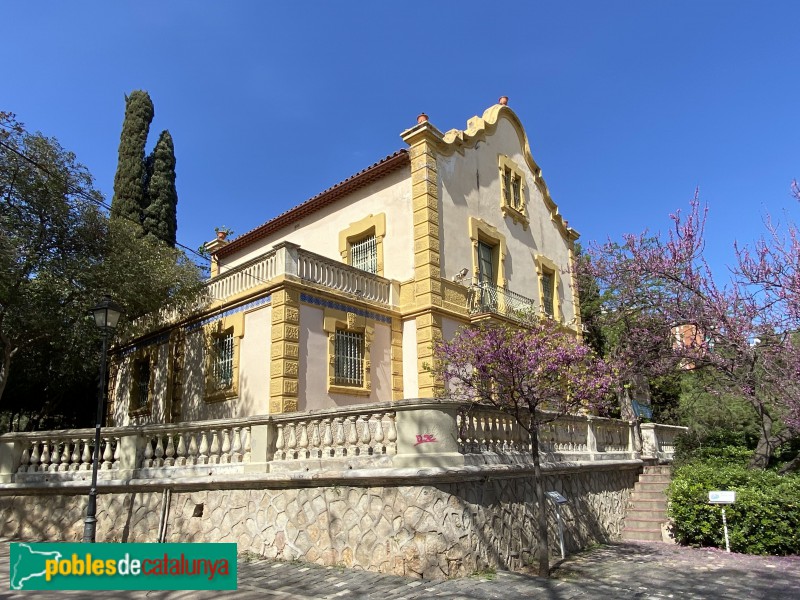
[[764, 520], [728, 454]]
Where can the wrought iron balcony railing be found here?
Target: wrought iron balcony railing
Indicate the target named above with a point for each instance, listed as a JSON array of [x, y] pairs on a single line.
[[489, 298]]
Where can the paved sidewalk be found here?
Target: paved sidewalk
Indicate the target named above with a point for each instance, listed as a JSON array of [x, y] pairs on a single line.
[[617, 571]]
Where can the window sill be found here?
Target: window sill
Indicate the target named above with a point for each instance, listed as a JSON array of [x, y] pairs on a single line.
[[350, 391], [220, 395], [140, 412], [517, 215]]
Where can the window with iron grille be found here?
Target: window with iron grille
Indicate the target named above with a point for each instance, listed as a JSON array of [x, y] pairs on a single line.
[[364, 254], [512, 191], [141, 394], [548, 280], [516, 196], [348, 358], [512, 183], [222, 364]]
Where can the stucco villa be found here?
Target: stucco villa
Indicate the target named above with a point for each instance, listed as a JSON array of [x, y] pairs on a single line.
[[335, 302], [292, 412]]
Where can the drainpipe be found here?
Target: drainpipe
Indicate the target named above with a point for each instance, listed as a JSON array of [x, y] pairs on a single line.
[[162, 522]]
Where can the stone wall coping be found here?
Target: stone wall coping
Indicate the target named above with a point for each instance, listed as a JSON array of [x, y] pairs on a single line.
[[397, 405], [365, 477], [130, 430], [676, 428], [406, 404]]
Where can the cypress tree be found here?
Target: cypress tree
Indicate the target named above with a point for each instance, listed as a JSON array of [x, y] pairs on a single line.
[[160, 215], [129, 192]]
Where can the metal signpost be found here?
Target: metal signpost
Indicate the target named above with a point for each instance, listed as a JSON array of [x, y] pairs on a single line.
[[558, 500], [720, 497]]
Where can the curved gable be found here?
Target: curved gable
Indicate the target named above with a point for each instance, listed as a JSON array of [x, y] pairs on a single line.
[[478, 128]]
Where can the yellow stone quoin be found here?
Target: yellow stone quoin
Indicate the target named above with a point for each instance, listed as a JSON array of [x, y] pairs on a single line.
[[285, 350], [423, 140]]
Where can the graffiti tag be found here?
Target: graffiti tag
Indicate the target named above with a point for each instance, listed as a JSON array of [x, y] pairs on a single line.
[[425, 438]]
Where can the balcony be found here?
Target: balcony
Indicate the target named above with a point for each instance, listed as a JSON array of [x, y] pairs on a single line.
[[289, 260], [487, 298]]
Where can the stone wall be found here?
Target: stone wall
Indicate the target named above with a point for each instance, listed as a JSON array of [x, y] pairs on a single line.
[[431, 530]]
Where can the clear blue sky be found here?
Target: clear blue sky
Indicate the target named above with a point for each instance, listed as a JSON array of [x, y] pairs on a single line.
[[628, 105]]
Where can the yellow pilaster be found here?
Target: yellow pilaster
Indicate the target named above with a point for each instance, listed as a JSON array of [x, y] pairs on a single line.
[[423, 140], [397, 359], [284, 366]]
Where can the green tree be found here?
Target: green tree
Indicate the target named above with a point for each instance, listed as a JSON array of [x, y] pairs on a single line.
[[591, 303], [51, 235], [129, 200], [59, 254], [161, 214]]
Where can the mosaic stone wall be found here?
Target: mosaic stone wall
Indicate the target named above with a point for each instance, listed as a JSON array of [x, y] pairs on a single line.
[[431, 531]]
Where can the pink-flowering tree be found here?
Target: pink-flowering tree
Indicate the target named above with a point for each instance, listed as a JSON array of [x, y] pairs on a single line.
[[773, 267], [659, 293], [536, 373]]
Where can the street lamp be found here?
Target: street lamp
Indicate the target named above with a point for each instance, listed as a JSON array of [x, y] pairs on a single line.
[[106, 314]]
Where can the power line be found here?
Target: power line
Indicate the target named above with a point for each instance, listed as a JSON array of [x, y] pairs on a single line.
[[102, 203], [77, 191]]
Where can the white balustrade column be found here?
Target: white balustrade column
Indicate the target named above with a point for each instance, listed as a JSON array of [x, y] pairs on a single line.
[[327, 438], [225, 457], [236, 447], [591, 438]]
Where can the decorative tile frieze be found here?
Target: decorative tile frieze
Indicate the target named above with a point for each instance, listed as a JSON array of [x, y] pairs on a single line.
[[217, 316], [308, 299]]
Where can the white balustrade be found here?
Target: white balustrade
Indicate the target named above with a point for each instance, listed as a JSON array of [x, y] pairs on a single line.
[[567, 435], [309, 267], [341, 277], [63, 454], [363, 436], [611, 436], [483, 430], [244, 277], [497, 435], [174, 446], [366, 434], [659, 440]]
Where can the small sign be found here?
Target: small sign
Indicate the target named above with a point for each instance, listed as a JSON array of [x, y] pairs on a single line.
[[642, 410], [556, 497], [722, 497]]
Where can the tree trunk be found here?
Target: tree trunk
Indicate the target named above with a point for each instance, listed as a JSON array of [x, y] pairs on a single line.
[[766, 441], [5, 364], [544, 546], [761, 454], [625, 403], [790, 467]]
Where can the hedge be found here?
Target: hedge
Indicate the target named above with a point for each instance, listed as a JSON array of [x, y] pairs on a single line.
[[764, 520]]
